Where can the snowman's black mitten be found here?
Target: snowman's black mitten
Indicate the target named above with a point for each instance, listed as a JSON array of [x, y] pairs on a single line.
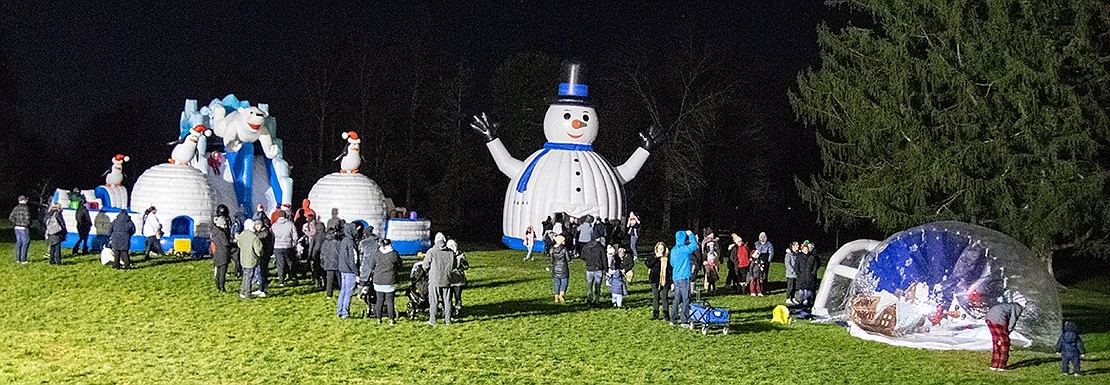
[[484, 126], [651, 137]]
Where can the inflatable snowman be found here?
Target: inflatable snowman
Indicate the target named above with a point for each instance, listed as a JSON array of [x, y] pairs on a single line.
[[114, 175], [566, 175], [350, 159], [185, 150]]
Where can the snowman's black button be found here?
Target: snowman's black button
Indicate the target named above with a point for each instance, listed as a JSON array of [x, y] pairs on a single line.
[[576, 160], [577, 173], [578, 189]]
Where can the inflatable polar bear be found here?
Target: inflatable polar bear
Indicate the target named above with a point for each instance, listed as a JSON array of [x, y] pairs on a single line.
[[244, 125]]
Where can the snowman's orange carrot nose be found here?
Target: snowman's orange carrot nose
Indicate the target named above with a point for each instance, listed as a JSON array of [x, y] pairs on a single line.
[[577, 124]]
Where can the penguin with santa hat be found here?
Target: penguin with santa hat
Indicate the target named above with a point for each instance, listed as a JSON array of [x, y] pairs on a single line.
[[566, 175]]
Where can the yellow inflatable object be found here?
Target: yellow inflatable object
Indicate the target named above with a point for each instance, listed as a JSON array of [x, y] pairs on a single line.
[[781, 315]]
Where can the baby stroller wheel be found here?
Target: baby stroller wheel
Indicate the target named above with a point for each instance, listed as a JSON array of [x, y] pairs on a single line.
[[704, 330]]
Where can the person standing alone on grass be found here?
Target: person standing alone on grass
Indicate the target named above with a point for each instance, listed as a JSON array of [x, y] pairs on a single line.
[[348, 269], [1001, 320], [285, 240], [119, 239], [766, 251], [221, 250], [659, 276], [84, 225], [529, 241], [560, 268], [250, 250], [152, 230], [1070, 348], [440, 261], [21, 222], [685, 243], [55, 233]]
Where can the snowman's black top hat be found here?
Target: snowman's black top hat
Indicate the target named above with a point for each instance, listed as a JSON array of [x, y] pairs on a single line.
[[573, 91]]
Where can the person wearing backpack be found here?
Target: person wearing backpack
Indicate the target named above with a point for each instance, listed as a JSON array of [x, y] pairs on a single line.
[[55, 233]]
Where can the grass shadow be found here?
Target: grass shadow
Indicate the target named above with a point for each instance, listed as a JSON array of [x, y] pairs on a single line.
[[518, 308]]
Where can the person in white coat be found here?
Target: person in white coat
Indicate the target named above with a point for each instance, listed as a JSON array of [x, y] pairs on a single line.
[[152, 230]]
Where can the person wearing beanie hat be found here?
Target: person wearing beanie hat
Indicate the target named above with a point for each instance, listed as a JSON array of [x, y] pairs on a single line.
[[21, 221], [1001, 321], [250, 250], [440, 261], [55, 233], [560, 268]]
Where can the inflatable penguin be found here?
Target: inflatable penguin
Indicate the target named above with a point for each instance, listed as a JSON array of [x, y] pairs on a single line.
[[350, 159], [566, 175], [185, 149], [114, 175]]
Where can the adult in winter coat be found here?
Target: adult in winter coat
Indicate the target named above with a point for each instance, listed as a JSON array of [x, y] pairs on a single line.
[[790, 260], [1070, 347], [739, 251], [367, 252], [585, 232], [440, 261], [805, 267], [84, 225], [685, 243], [329, 256], [119, 239], [266, 235], [560, 268], [1001, 321], [315, 233], [348, 269], [548, 234], [21, 222], [766, 251], [152, 230], [633, 232], [250, 251], [457, 278], [285, 241], [55, 233], [593, 253], [382, 272], [221, 251], [659, 277], [627, 263]]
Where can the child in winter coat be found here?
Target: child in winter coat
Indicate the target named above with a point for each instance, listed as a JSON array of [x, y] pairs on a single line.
[[616, 285], [755, 275], [1070, 347]]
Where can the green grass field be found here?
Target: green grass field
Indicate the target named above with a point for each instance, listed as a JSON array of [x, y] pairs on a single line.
[[165, 323]]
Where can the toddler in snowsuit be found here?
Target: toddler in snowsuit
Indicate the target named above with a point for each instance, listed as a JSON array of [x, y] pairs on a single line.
[[617, 285], [1070, 347]]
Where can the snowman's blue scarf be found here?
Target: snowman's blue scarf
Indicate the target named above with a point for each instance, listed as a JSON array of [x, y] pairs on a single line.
[[523, 183]]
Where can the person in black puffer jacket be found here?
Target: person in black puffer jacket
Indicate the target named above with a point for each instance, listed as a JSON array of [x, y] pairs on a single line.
[[382, 272], [221, 250], [1070, 347], [560, 268], [329, 256], [119, 239]]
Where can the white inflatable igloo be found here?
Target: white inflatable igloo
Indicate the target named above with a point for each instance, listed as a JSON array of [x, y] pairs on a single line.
[[353, 196], [931, 286], [182, 196]]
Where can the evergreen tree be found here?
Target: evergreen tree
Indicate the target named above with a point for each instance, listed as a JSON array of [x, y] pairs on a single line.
[[993, 112]]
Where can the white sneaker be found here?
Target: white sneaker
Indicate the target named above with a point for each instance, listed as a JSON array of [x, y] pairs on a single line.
[[259, 293]]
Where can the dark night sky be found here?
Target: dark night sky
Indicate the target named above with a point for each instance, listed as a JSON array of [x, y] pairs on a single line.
[[74, 61]]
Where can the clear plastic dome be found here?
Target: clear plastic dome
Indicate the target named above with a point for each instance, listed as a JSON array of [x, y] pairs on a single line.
[[931, 286]]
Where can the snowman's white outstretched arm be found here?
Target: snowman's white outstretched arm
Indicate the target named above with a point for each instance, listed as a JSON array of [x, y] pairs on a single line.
[[630, 168], [506, 163]]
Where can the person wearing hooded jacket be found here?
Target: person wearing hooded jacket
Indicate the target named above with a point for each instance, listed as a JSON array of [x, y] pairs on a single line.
[[84, 225], [1070, 347], [685, 243], [119, 239], [560, 269], [348, 269], [440, 261], [221, 250], [329, 256], [250, 251], [285, 240]]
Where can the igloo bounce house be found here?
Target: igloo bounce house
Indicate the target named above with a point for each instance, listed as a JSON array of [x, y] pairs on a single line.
[[931, 286], [353, 197], [187, 188], [566, 175]]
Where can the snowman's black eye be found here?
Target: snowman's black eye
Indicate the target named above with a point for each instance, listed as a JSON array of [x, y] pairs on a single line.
[[566, 116], [585, 118]]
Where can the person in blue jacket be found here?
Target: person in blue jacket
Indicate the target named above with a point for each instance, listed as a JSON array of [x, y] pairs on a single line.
[[685, 242]]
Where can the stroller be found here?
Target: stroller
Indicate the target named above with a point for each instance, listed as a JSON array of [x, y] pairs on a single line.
[[705, 315], [417, 292], [369, 296]]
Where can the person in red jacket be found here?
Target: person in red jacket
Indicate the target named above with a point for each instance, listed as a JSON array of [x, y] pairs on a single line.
[[739, 251]]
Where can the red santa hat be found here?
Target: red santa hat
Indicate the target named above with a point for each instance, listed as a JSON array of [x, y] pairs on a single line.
[[121, 158], [352, 137]]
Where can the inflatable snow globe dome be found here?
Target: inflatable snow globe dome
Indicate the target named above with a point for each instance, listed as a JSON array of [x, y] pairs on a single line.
[[351, 197], [931, 286], [182, 196]]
